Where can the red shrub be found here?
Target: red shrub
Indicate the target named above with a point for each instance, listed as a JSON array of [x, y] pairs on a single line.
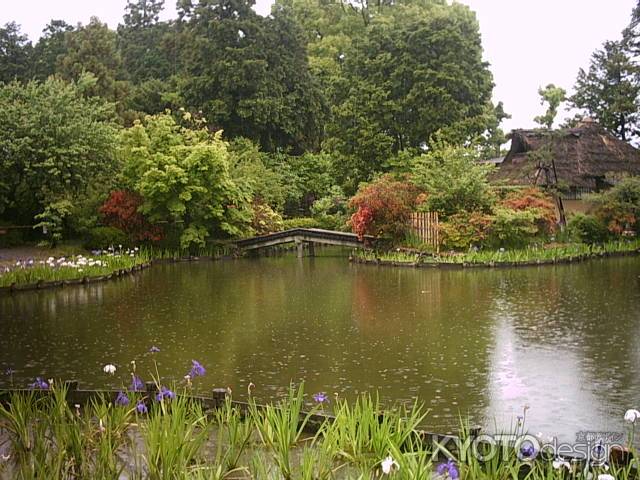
[[120, 210], [534, 199], [383, 207]]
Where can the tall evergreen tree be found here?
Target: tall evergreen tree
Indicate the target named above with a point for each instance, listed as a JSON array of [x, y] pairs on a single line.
[[93, 49], [609, 91], [145, 43], [50, 46], [15, 53], [249, 74]]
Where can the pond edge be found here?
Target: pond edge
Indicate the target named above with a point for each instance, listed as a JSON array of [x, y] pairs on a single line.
[[465, 265], [43, 285]]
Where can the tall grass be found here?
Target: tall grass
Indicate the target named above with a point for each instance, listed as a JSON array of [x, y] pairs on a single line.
[[72, 268], [530, 254], [174, 435], [48, 438], [280, 427]]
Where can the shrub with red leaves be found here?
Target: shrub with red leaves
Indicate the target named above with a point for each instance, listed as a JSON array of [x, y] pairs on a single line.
[[383, 207], [120, 210], [536, 200]]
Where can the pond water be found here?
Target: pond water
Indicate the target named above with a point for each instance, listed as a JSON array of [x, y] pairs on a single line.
[[563, 340]]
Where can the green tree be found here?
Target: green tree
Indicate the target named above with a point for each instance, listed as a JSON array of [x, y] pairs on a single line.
[[145, 43], [305, 178], [453, 180], [15, 53], [249, 169], [50, 46], [610, 90], [183, 177], [553, 96], [93, 49], [418, 70], [249, 75], [56, 145]]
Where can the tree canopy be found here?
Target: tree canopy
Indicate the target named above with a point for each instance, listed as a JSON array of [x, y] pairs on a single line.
[[55, 145]]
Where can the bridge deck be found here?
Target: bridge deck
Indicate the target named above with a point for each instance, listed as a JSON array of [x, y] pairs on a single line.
[[302, 235]]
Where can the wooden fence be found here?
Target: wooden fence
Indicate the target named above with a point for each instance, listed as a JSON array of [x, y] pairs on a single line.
[[425, 226]]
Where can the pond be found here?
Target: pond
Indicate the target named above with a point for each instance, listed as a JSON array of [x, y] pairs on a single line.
[[486, 342]]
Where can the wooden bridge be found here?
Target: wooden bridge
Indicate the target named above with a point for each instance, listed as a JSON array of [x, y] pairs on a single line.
[[308, 237]]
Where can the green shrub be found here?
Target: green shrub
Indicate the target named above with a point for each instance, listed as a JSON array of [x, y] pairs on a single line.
[[300, 222], [104, 237], [265, 220], [463, 230], [512, 228], [587, 229], [619, 207]]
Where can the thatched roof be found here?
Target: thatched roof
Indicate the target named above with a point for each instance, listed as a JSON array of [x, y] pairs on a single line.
[[585, 156]]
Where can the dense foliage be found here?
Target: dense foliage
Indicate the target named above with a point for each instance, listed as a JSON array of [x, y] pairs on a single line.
[[56, 146], [619, 207], [223, 123], [383, 207], [453, 180], [183, 177]]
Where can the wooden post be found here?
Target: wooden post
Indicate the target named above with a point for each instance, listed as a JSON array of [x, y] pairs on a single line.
[[219, 396], [300, 248], [151, 389], [312, 249]]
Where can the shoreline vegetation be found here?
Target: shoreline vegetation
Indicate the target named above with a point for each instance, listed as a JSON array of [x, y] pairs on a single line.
[[530, 256], [31, 274], [156, 432]]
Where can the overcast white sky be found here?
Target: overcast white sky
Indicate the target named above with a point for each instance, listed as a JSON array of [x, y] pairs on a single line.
[[529, 43]]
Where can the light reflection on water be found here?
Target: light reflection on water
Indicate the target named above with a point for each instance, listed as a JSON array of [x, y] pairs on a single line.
[[485, 342]]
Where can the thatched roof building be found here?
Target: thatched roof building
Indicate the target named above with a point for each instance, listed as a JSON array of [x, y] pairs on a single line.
[[581, 159]]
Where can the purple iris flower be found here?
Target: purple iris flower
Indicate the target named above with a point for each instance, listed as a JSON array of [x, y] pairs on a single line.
[[527, 450], [122, 400], [448, 469], [141, 407], [165, 394], [9, 371], [136, 384], [197, 370], [39, 384], [320, 397], [154, 349]]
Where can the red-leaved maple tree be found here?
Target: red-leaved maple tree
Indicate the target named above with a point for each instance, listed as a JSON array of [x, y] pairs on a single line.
[[383, 207], [120, 210]]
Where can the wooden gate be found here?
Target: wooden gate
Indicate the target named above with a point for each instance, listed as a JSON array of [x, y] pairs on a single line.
[[425, 226]]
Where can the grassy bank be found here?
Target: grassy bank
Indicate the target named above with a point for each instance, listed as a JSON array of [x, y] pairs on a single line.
[[30, 270], [530, 255], [171, 436]]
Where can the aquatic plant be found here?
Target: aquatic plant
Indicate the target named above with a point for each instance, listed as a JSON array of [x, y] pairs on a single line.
[[448, 469], [27, 272], [531, 254], [320, 397], [116, 435], [388, 465], [165, 394], [109, 369], [136, 383], [280, 426], [174, 436], [197, 370], [39, 384], [122, 400]]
